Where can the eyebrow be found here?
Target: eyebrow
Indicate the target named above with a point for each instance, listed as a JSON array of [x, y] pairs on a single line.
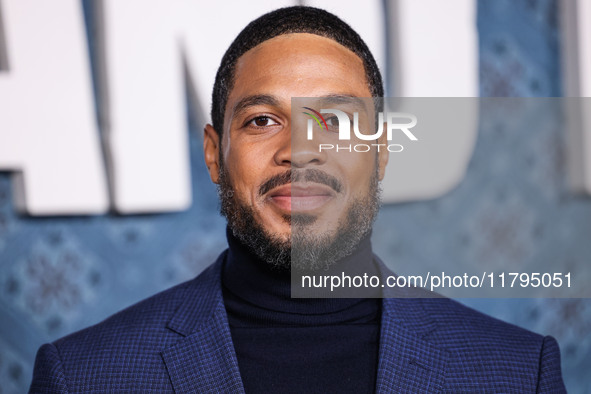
[[254, 100], [342, 99]]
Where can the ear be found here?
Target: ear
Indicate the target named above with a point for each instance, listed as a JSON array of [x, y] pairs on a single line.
[[211, 152], [383, 154]]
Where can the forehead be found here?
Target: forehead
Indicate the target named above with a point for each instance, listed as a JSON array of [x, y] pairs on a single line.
[[299, 65]]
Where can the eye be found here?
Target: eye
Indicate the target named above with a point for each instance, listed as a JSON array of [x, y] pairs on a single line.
[[261, 121], [332, 123]]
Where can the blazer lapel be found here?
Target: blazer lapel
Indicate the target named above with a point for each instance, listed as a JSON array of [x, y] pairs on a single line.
[[204, 360], [407, 361]]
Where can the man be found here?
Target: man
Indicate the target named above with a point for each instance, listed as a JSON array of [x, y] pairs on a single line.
[[289, 206]]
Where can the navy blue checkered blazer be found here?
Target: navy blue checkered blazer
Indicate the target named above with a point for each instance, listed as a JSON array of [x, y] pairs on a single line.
[[179, 341]]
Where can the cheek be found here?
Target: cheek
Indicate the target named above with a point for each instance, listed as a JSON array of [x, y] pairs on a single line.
[[358, 170], [246, 169]]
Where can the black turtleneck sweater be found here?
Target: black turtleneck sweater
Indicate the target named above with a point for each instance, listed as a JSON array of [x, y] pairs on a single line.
[[304, 345]]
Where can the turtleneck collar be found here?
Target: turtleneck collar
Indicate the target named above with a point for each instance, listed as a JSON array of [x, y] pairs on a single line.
[[250, 280]]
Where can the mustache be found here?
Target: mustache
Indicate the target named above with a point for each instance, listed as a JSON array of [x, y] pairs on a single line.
[[311, 175]]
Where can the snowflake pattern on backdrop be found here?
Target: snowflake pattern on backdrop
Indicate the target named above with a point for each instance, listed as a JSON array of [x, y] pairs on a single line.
[[55, 282]]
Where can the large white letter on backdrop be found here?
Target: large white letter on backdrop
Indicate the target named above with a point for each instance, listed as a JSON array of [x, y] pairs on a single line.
[[433, 53], [576, 68], [48, 133]]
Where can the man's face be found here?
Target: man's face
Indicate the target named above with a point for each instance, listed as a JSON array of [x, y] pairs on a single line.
[[270, 174]]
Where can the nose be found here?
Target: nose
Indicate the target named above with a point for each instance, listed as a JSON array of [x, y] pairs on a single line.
[[297, 150]]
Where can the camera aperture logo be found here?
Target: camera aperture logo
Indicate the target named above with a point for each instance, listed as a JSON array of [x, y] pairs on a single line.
[[341, 122]]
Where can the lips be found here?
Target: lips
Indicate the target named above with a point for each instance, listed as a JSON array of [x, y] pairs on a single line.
[[301, 197]]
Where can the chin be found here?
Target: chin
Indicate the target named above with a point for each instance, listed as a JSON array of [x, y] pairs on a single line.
[[281, 233]]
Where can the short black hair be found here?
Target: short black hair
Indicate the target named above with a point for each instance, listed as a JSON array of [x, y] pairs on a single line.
[[297, 19]]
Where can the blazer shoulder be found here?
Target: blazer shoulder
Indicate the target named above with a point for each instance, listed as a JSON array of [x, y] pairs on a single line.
[[123, 352], [486, 349], [474, 326], [150, 315]]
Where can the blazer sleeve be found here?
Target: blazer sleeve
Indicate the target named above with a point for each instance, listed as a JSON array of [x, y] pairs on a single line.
[[550, 377], [48, 374]]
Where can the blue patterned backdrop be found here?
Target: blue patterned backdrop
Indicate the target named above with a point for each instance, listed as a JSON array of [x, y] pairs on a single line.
[[58, 275]]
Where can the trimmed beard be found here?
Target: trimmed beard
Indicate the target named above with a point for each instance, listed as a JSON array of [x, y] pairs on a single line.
[[303, 251]]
